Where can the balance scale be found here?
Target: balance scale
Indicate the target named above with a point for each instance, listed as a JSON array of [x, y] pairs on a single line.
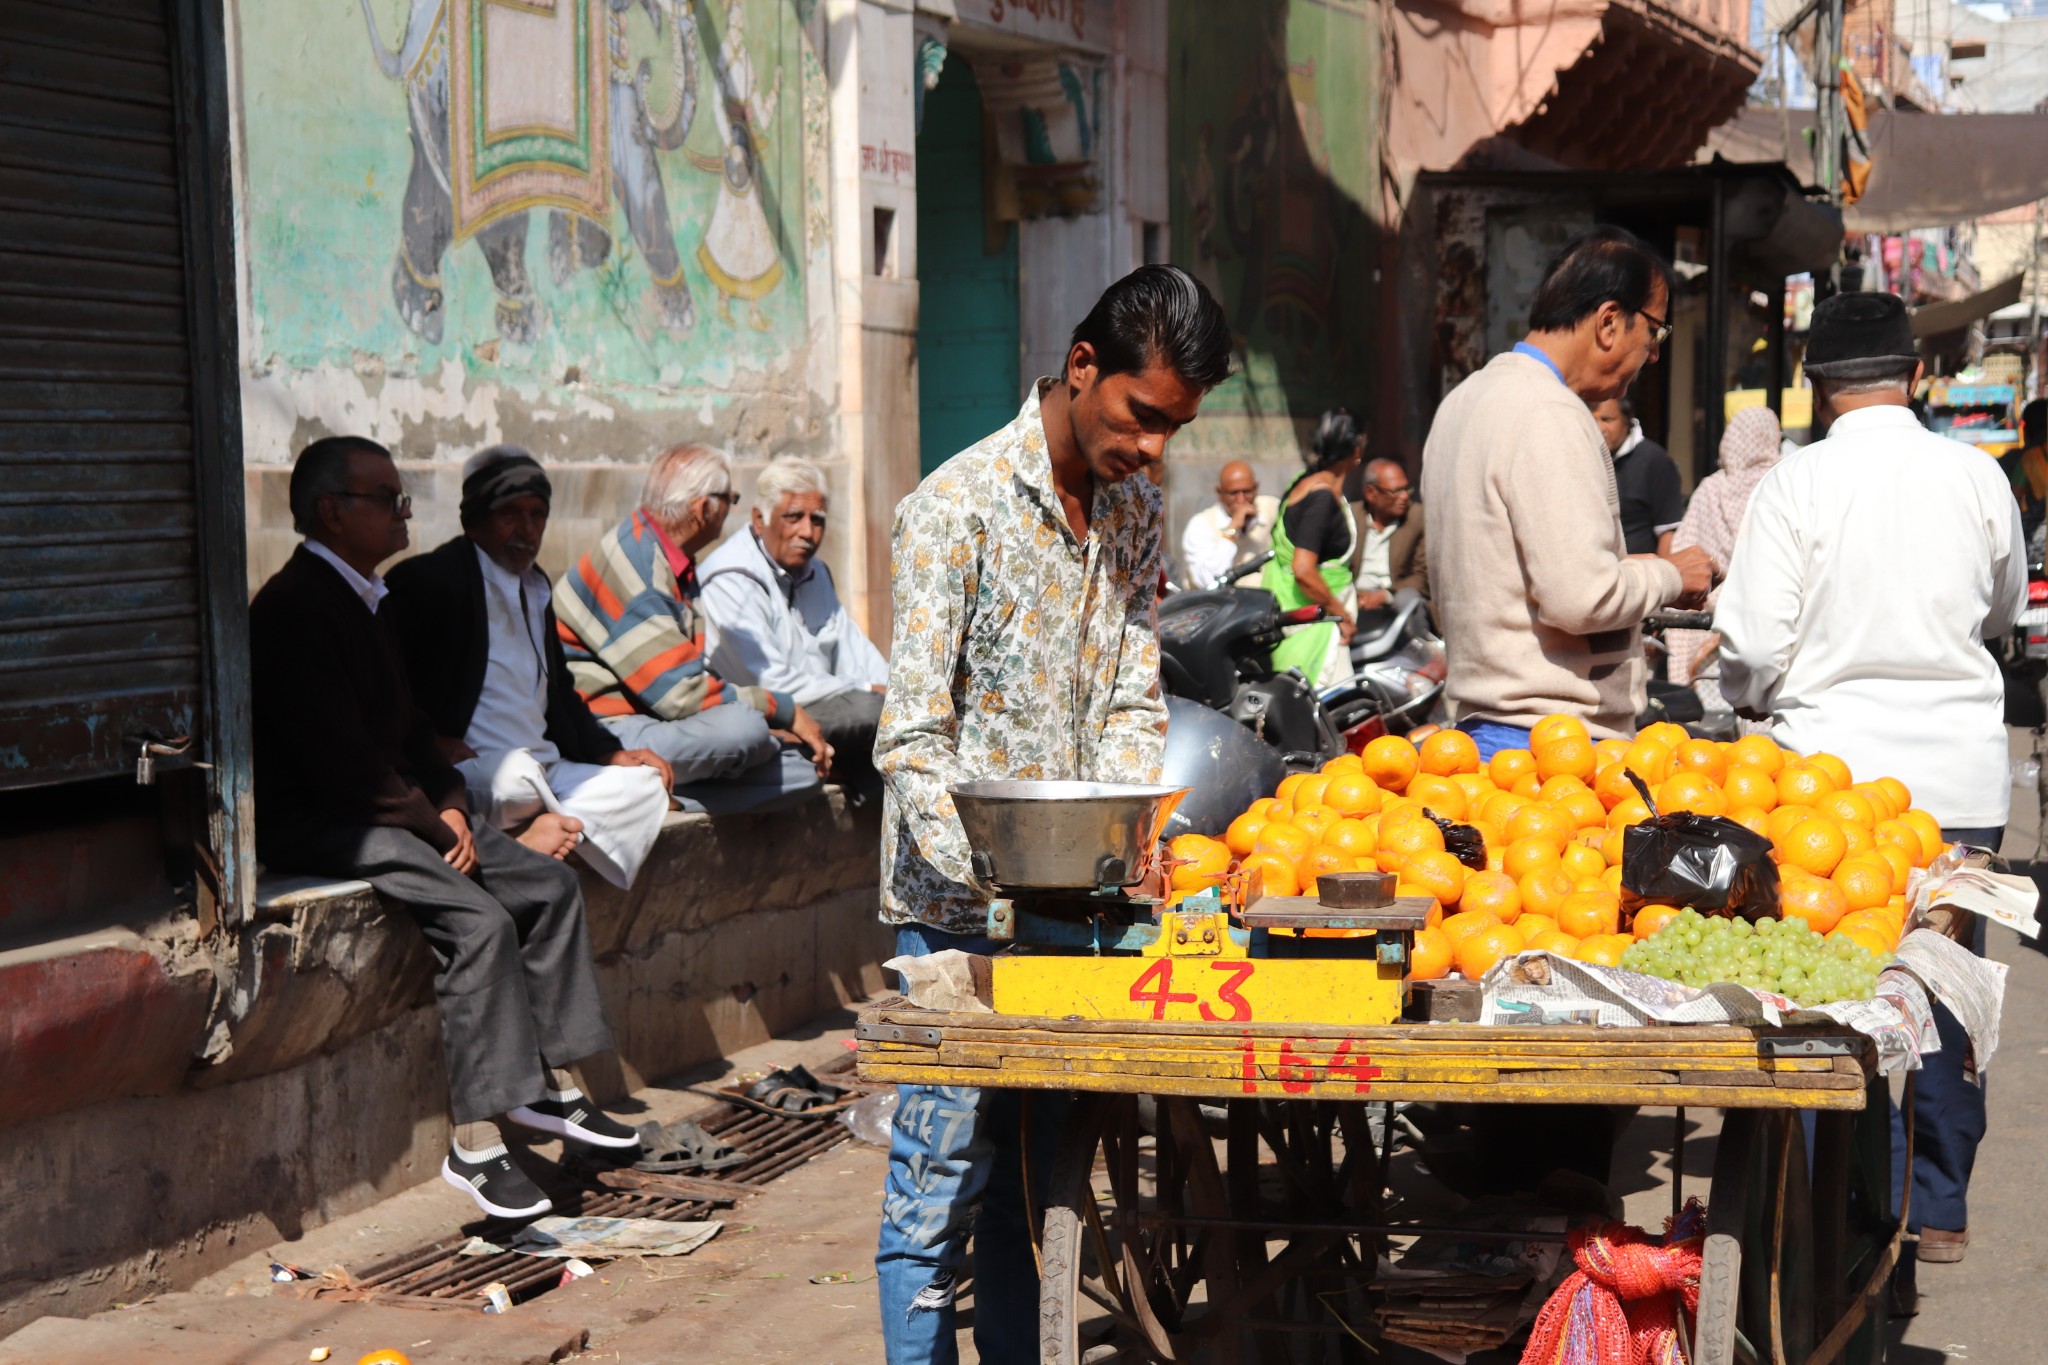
[[1065, 859]]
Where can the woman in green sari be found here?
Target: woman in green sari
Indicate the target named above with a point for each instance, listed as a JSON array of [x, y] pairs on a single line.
[[1312, 543]]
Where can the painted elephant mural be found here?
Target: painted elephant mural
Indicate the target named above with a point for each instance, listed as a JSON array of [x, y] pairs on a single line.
[[517, 106]]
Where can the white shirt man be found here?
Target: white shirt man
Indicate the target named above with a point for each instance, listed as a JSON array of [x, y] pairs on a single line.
[[1869, 568], [1236, 529]]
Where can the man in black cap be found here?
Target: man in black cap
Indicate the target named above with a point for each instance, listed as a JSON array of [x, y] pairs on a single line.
[[477, 628], [349, 783], [1871, 567]]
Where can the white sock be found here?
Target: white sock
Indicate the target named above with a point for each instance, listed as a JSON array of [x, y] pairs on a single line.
[[487, 1154], [564, 1096]]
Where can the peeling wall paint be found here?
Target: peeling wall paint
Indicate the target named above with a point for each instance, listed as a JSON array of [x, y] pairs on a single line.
[[595, 228]]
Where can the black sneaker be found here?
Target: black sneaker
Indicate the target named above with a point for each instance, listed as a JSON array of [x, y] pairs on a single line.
[[500, 1188], [571, 1115]]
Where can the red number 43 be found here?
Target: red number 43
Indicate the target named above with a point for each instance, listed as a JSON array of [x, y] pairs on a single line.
[[1155, 986]]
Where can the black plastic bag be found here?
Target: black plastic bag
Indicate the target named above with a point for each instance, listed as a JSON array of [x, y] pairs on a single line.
[[1705, 861], [1463, 842]]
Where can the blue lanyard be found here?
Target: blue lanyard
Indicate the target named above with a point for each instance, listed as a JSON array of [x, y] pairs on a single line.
[[1524, 348]]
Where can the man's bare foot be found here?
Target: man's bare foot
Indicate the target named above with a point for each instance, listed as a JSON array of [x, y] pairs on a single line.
[[552, 834]]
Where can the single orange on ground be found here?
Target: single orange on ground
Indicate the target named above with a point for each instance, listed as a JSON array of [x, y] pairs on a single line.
[[1569, 756], [1865, 879], [1557, 727], [1585, 913], [1746, 785], [1816, 900], [1288, 840], [1391, 761], [1802, 784], [1437, 874], [1243, 835], [1651, 918], [1602, 950], [1479, 952], [1441, 795], [1315, 820], [1581, 862], [1351, 836], [1204, 862], [1544, 890], [1612, 786], [1648, 759], [1555, 941], [1343, 763], [1901, 795], [1524, 856], [1276, 872], [1755, 819], [1900, 862], [1701, 756], [1816, 844], [1432, 956], [1693, 792], [1536, 821], [1352, 794], [1507, 765], [1835, 768], [1629, 812], [1529, 926], [1584, 808], [1757, 751], [1495, 893], [1849, 808], [1447, 752], [1457, 926]]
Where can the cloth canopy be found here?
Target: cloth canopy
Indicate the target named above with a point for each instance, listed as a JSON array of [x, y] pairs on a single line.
[[1926, 170], [1931, 320]]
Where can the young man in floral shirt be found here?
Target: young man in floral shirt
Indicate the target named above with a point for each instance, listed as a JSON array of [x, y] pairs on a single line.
[[1026, 580]]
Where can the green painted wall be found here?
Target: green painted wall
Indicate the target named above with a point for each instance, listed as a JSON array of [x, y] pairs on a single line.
[[967, 323], [1273, 112]]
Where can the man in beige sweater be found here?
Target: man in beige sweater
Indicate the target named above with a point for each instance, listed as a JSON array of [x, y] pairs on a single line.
[[1541, 605]]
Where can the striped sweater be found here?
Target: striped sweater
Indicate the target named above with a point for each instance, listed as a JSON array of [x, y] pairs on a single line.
[[633, 630]]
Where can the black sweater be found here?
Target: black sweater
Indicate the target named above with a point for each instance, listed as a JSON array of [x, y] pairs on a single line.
[[338, 740], [437, 613]]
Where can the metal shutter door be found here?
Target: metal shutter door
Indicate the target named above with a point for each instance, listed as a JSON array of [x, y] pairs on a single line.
[[99, 564]]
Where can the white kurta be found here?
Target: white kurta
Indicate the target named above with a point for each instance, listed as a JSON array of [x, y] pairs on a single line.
[[518, 773], [1209, 554], [1869, 568]]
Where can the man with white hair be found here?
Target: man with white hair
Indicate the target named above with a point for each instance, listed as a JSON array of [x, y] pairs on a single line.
[[634, 629], [781, 624], [475, 624]]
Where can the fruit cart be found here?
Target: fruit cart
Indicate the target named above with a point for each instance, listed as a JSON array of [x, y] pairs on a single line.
[[1216, 1187]]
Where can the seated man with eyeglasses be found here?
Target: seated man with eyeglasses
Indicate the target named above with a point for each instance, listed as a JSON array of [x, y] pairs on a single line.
[[350, 783], [634, 629], [782, 626]]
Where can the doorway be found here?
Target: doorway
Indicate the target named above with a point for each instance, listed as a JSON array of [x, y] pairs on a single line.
[[967, 328]]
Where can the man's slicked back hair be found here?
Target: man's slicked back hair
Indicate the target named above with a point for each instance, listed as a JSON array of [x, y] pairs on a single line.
[[1605, 264], [1159, 312], [322, 468]]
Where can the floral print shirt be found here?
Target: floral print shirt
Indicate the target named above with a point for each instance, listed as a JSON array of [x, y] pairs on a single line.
[[1019, 652]]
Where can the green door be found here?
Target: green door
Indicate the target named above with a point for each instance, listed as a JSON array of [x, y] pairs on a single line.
[[967, 341]]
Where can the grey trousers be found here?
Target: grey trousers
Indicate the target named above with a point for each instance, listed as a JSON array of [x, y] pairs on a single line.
[[515, 984], [850, 721], [726, 760]]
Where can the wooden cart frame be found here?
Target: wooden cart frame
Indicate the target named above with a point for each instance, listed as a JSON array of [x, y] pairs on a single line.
[[1159, 1242]]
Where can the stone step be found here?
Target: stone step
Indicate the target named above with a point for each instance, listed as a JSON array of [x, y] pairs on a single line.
[[193, 1329]]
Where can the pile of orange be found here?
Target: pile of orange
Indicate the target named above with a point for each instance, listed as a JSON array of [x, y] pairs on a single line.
[[1553, 817]]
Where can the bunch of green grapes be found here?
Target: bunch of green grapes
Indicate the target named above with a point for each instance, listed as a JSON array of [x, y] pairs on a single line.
[[1783, 956]]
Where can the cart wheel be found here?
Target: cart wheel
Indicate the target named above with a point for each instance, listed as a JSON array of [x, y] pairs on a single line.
[[1760, 1200], [1159, 1247]]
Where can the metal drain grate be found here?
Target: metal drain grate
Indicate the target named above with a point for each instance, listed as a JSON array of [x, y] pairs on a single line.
[[438, 1275]]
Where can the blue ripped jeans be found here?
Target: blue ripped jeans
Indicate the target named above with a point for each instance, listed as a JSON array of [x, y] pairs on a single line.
[[955, 1173]]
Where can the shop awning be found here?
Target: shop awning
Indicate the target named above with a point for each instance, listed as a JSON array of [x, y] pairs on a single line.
[[1926, 170], [1931, 320]]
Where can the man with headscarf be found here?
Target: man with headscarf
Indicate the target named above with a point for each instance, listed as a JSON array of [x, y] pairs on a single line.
[[1871, 567], [1750, 446], [475, 621]]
